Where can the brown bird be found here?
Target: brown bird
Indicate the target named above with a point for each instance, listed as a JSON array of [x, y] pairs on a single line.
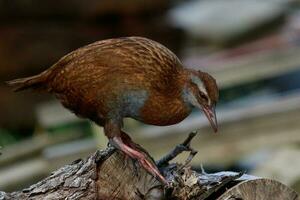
[[135, 77]]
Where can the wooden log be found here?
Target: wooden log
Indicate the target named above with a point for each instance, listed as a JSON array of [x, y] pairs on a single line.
[[260, 189], [108, 174]]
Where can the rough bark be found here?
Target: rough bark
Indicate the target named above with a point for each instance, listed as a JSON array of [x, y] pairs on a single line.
[[108, 174]]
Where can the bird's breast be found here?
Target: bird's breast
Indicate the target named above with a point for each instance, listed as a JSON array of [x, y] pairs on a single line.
[[162, 111]]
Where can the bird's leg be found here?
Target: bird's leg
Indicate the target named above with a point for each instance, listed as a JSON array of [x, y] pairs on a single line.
[[142, 159], [127, 140], [113, 131]]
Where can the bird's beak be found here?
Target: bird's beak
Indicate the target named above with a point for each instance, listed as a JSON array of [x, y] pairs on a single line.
[[210, 113]]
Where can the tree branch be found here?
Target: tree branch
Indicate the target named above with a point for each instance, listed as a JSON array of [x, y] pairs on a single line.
[[185, 146]]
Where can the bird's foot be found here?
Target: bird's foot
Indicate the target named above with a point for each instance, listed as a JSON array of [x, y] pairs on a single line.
[[140, 157]]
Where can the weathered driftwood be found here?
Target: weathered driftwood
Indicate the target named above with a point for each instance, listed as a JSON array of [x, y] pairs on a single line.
[[108, 174]]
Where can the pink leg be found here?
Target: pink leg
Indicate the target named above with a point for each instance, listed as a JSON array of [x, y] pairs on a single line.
[[135, 154]]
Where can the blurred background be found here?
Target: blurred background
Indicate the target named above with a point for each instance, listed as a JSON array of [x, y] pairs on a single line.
[[252, 48]]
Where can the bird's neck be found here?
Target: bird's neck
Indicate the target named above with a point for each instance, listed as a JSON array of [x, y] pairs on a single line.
[[183, 81]]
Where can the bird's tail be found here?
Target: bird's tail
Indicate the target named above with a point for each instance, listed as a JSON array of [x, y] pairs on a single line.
[[37, 82]]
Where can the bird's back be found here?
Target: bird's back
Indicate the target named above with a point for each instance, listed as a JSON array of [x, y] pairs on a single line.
[[129, 60]]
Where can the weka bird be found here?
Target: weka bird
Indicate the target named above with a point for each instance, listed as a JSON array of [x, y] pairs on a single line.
[[135, 77]]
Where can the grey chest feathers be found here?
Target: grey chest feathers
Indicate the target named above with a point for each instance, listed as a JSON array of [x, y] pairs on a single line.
[[129, 104]]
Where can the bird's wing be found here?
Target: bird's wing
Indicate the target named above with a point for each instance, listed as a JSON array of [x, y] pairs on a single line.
[[135, 60]]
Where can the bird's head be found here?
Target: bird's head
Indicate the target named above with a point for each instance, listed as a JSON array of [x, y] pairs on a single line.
[[201, 91]]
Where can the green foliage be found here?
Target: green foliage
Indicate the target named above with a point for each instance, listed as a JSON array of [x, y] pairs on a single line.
[[7, 138], [82, 128]]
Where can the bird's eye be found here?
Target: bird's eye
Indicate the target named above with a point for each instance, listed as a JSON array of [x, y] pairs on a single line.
[[203, 96]]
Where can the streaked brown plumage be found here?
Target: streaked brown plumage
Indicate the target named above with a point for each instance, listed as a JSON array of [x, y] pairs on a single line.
[[126, 77]]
